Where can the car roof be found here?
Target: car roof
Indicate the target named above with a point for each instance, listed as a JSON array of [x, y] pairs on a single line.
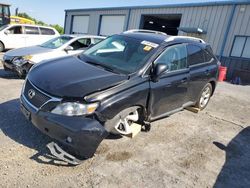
[[31, 25], [156, 38], [83, 35], [162, 38]]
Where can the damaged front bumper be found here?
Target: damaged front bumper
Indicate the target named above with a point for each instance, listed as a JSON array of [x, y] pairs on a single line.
[[8, 65], [81, 135], [22, 70]]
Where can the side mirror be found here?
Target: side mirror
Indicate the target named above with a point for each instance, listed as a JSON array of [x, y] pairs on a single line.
[[159, 69], [68, 48], [6, 32]]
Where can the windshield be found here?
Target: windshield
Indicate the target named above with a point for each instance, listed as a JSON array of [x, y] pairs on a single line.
[[56, 42], [119, 53]]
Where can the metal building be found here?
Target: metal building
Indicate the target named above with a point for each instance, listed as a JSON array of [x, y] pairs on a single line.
[[225, 24]]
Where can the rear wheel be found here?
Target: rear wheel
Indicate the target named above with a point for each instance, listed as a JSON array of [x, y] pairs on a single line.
[[204, 97], [120, 124]]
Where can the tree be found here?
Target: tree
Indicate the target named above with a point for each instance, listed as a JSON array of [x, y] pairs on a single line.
[[39, 22], [58, 28]]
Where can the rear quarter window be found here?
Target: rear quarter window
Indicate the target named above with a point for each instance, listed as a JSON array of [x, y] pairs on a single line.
[[207, 56], [47, 31], [96, 40], [195, 55]]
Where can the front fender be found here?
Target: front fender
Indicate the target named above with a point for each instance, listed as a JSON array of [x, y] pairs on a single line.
[[136, 95]]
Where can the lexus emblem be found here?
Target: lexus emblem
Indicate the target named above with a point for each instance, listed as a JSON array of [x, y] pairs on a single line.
[[31, 93]]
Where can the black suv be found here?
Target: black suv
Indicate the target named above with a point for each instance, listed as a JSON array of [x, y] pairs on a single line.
[[136, 76]]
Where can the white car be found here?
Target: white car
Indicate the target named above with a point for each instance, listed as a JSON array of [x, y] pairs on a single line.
[[23, 35], [22, 59]]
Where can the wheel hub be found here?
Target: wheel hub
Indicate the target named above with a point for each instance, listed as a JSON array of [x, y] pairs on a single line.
[[123, 125], [205, 97]]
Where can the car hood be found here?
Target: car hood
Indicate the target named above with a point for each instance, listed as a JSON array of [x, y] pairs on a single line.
[[32, 50], [71, 77]]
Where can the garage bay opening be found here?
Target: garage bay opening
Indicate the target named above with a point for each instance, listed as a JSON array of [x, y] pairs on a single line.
[[167, 23]]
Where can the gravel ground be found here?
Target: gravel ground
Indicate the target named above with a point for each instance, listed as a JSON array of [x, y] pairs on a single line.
[[208, 149]]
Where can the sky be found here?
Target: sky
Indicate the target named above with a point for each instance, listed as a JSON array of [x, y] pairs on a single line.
[[52, 11]]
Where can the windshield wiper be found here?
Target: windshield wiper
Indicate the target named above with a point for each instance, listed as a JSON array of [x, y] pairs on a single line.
[[108, 68]]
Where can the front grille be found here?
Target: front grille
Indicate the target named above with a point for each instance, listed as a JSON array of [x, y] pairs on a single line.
[[38, 98]]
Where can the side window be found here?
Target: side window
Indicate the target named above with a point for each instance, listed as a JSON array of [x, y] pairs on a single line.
[[174, 56], [241, 47], [31, 30], [16, 30], [81, 43], [85, 42], [96, 40], [208, 57], [47, 31], [195, 55], [6, 11]]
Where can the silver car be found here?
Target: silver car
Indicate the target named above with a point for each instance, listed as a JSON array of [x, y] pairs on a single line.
[[22, 59]]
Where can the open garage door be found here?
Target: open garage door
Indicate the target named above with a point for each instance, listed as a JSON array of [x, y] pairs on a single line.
[[80, 25], [167, 23], [112, 25]]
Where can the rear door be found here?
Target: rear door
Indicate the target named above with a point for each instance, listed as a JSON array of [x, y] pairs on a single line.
[[32, 35], [170, 92], [202, 68]]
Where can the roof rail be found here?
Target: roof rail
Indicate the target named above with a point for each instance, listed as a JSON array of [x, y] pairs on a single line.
[[185, 37], [144, 31]]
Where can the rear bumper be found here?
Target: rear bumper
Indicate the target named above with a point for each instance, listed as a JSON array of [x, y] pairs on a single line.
[[80, 134]]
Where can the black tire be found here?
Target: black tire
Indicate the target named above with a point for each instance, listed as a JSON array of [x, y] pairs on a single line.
[[2, 48], [110, 124], [206, 93]]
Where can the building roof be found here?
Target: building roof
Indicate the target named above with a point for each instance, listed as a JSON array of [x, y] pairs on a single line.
[[171, 3]]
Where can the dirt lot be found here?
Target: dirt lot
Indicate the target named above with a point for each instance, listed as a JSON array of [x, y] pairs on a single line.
[[211, 148]]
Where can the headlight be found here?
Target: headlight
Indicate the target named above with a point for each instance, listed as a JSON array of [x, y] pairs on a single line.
[[75, 109], [19, 61]]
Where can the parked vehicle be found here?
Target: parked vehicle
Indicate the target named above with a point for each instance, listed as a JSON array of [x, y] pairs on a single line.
[[20, 20], [80, 100], [22, 59], [23, 35], [4, 14]]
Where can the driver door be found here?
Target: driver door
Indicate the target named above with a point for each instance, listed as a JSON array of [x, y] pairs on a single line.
[[170, 92], [15, 38]]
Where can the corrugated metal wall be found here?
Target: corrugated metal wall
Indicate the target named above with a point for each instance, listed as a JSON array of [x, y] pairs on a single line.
[[237, 67], [240, 26], [213, 19], [94, 19]]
